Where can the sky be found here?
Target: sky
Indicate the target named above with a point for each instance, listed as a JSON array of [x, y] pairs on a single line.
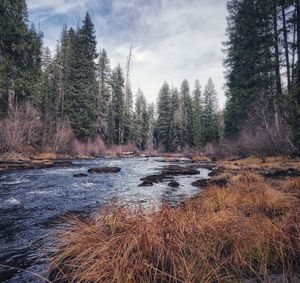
[[172, 39]]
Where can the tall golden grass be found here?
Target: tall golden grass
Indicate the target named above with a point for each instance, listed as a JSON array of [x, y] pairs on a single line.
[[243, 230], [254, 163]]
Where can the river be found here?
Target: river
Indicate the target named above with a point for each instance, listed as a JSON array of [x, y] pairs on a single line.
[[33, 201]]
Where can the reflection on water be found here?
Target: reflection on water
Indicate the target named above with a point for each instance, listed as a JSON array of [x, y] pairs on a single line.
[[32, 201]]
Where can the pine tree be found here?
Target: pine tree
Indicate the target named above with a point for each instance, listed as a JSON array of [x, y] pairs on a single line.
[[163, 121], [210, 125], [150, 142], [104, 94], [111, 127], [128, 105], [80, 81], [46, 58], [117, 105], [141, 125], [197, 116], [187, 115], [20, 55], [250, 62], [128, 114], [175, 122]]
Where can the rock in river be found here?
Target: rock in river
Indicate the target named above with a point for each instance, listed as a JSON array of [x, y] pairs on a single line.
[[80, 175], [174, 184], [99, 170], [153, 178], [178, 170], [201, 183], [146, 184]]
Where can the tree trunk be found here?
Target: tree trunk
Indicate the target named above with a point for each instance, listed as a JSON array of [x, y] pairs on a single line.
[[11, 96], [298, 47], [277, 67], [286, 47], [294, 46], [297, 109]]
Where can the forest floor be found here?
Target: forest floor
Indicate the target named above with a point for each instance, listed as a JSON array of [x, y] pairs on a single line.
[[243, 226]]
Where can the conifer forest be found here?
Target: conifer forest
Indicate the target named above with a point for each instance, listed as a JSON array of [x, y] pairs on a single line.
[[150, 141], [75, 93]]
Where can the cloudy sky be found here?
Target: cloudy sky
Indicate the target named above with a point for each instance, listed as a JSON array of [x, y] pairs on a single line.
[[172, 39]]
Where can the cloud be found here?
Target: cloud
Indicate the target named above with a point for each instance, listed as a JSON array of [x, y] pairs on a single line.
[[172, 39]]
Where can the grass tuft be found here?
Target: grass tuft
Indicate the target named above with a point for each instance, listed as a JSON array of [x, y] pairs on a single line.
[[243, 230]]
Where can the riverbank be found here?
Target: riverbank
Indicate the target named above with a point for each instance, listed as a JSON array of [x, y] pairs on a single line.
[[13, 161], [244, 226], [40, 160]]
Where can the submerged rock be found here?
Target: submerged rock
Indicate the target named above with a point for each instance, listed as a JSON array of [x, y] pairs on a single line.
[[146, 184], [62, 163], [174, 184], [178, 170], [154, 178], [99, 170], [201, 183], [80, 175]]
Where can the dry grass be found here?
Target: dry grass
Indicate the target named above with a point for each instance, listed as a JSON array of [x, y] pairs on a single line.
[[246, 229], [201, 158], [291, 185], [252, 163], [48, 155]]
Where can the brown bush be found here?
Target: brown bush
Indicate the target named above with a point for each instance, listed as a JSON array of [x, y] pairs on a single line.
[[63, 137], [22, 128], [123, 148], [95, 147]]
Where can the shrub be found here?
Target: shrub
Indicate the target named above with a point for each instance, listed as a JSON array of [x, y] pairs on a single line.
[[63, 137], [95, 147], [123, 148], [22, 128]]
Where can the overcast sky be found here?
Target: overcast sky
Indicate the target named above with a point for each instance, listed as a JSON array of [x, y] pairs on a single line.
[[172, 39]]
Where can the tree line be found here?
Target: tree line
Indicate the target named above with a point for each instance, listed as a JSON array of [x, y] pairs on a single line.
[[263, 74], [77, 90]]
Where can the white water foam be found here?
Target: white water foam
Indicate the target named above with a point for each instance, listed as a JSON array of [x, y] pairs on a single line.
[[11, 202], [15, 182]]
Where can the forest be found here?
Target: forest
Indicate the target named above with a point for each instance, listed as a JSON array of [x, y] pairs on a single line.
[[97, 184], [50, 101]]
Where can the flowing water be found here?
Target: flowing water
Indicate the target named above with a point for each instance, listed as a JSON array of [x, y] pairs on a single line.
[[33, 201]]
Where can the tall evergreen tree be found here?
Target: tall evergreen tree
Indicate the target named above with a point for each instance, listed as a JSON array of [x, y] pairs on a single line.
[[175, 131], [141, 125], [117, 105], [80, 83], [250, 62], [128, 114], [20, 55], [187, 114], [163, 120], [210, 125], [104, 94], [197, 115], [150, 143]]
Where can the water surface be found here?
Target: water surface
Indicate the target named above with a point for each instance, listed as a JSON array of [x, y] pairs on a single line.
[[32, 201]]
